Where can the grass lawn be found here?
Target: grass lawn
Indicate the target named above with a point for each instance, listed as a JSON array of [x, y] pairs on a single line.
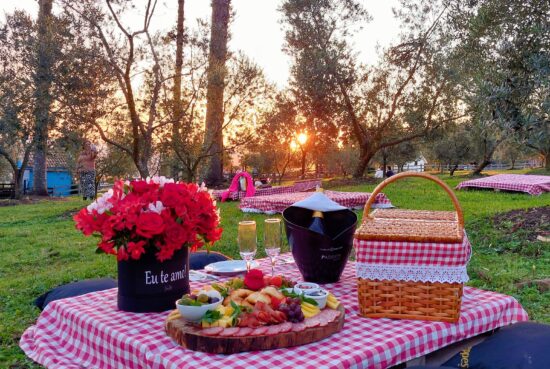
[[40, 249]]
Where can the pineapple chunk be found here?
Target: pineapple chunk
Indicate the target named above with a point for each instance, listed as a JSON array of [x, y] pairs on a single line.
[[224, 322], [332, 302], [309, 313], [228, 310]]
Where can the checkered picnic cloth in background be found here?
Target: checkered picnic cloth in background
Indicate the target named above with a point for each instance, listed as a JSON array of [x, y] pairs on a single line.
[[277, 203], [533, 185], [88, 332], [298, 186]]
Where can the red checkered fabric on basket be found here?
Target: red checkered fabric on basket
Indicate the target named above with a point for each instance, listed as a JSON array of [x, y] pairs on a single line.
[[299, 186], [533, 185], [88, 332], [278, 203], [414, 253]]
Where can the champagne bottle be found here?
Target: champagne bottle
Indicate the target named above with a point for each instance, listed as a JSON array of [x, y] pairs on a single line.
[[317, 219], [317, 222]]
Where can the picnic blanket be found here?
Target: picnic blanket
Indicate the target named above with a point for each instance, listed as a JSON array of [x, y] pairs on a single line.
[[89, 332], [277, 203], [298, 186], [532, 184]]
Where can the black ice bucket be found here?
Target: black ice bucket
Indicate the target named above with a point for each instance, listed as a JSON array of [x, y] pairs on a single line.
[[320, 258]]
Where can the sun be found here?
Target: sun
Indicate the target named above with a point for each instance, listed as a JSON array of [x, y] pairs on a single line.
[[302, 138]]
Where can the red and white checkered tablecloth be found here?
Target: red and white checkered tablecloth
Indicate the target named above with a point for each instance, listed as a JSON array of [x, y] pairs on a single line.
[[413, 261], [419, 253], [532, 184], [277, 203], [88, 332], [298, 186]]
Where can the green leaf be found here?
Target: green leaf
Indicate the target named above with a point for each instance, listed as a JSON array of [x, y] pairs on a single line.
[[308, 300], [302, 297], [224, 291], [237, 310], [211, 316]]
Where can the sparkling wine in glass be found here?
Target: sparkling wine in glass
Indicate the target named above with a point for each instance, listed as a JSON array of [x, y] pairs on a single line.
[[247, 241], [273, 240]]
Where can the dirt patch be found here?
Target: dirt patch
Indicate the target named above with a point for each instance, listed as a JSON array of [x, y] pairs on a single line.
[[29, 200], [532, 222], [68, 214]]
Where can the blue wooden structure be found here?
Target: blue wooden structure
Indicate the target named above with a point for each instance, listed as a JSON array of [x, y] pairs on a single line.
[[58, 175]]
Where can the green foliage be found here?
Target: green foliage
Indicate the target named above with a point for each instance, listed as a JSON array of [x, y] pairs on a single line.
[[501, 62]]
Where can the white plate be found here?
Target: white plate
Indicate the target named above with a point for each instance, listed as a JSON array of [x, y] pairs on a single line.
[[229, 267]]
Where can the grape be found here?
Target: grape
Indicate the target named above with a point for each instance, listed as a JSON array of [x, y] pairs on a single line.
[[291, 314]]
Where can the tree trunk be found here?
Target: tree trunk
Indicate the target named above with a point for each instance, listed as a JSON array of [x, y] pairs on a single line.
[[547, 161], [303, 164], [364, 161], [17, 184], [453, 169], [486, 158], [477, 171], [215, 88], [176, 98], [384, 164], [43, 80], [143, 166]]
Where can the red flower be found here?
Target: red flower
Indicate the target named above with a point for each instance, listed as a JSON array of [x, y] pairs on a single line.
[[149, 225], [136, 249], [140, 187], [107, 247], [121, 254], [189, 218]]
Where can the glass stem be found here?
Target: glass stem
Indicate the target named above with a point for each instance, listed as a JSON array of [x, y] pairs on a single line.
[[248, 266], [272, 267]]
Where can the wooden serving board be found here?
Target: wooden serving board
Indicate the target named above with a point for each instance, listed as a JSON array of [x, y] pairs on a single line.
[[190, 337]]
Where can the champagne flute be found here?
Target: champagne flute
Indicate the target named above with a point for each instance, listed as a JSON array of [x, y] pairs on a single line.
[[273, 240], [247, 241]]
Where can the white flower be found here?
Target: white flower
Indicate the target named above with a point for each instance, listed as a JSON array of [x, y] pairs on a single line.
[[102, 204], [156, 207], [160, 180], [203, 187]]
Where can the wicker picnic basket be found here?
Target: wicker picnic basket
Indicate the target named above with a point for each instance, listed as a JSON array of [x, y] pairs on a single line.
[[428, 233]]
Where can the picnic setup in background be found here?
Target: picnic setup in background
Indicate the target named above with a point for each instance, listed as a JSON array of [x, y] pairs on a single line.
[[400, 301]]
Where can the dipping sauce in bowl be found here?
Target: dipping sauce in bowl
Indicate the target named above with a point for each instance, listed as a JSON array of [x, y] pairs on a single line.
[[320, 296], [307, 287]]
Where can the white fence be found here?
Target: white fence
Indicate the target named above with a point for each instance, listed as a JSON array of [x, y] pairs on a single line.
[[470, 167]]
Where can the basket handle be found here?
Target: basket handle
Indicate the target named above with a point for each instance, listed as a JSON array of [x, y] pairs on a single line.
[[398, 176]]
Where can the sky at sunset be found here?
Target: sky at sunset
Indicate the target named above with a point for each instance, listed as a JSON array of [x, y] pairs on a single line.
[[256, 29]]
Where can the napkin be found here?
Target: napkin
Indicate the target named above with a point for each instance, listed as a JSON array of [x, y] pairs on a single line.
[[318, 201]]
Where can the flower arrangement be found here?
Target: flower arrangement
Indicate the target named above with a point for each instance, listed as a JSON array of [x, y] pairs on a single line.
[[156, 213]]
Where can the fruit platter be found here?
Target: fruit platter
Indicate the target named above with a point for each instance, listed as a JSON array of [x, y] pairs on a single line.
[[256, 312]]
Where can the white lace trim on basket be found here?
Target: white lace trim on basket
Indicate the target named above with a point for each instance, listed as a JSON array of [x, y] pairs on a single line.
[[412, 273]]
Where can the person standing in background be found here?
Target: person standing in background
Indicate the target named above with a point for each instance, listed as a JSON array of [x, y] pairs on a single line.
[[389, 173], [86, 170]]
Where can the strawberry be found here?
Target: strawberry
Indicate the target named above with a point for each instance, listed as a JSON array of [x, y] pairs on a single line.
[[276, 281], [275, 302], [254, 279]]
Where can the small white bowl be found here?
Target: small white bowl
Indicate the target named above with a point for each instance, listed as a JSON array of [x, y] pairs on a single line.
[[321, 300], [306, 287], [294, 289], [195, 313]]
